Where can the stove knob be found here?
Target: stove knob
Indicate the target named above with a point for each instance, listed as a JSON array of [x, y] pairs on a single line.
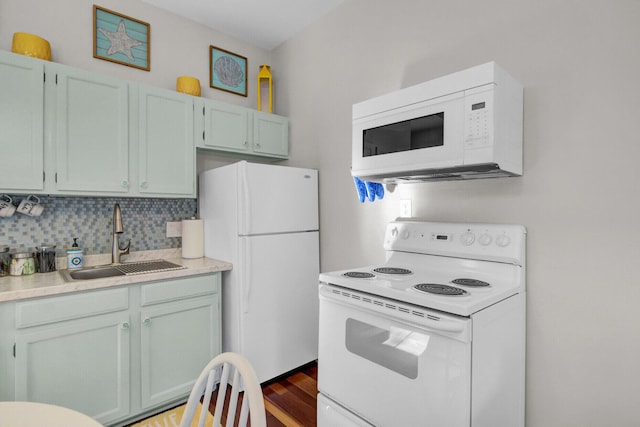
[[394, 231], [485, 239], [503, 240], [467, 238], [405, 234]]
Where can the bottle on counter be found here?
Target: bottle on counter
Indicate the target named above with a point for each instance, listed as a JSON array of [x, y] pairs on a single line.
[[74, 256]]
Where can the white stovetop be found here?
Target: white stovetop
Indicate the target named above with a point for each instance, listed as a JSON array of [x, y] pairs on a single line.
[[44, 284]]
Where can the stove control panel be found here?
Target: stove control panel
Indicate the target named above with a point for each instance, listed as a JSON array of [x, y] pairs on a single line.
[[491, 242]]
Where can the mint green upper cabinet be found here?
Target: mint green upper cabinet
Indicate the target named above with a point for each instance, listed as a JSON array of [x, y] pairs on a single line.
[[241, 132], [21, 123], [226, 127], [270, 134], [166, 153], [91, 132]]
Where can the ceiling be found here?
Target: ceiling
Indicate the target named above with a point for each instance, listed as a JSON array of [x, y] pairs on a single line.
[[262, 23]]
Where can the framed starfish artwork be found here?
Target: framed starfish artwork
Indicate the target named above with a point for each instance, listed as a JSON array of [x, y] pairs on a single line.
[[121, 39]]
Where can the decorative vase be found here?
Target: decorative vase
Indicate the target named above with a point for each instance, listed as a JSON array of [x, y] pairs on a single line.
[[31, 45], [188, 85], [265, 89]]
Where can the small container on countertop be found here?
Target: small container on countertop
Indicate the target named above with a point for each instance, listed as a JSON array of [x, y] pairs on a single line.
[[22, 263], [5, 260], [46, 257]]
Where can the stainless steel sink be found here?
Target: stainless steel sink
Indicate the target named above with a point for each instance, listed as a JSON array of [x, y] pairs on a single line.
[[124, 269], [92, 273]]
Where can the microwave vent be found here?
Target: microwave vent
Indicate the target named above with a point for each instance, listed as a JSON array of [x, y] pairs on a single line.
[[489, 170]]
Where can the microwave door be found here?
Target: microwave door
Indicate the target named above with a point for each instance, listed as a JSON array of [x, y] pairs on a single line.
[[428, 135]]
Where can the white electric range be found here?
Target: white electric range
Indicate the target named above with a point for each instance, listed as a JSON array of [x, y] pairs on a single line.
[[434, 336]]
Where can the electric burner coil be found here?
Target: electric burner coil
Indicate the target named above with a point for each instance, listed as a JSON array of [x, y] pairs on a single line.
[[359, 275], [392, 270], [438, 289], [469, 282]]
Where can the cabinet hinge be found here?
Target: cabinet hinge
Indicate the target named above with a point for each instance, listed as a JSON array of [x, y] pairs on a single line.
[[14, 350], [203, 111], [56, 79], [203, 135], [56, 177], [43, 176]]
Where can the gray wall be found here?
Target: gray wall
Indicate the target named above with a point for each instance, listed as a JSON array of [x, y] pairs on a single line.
[[580, 64]]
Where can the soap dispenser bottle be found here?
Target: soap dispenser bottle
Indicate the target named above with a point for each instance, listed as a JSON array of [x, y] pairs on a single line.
[[74, 256]]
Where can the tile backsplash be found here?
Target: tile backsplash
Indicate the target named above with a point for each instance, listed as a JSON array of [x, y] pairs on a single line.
[[90, 219]]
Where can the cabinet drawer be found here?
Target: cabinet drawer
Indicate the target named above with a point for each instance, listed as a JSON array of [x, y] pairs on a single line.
[[72, 306], [155, 293]]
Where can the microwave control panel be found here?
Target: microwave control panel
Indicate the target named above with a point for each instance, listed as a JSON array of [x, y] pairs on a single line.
[[478, 116]]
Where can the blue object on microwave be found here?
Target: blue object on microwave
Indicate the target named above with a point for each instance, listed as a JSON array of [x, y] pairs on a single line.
[[367, 189]]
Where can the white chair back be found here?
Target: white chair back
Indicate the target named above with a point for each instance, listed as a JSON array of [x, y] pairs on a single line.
[[243, 377]]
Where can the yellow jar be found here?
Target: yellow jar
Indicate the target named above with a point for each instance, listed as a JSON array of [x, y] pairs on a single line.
[[188, 85], [31, 45]]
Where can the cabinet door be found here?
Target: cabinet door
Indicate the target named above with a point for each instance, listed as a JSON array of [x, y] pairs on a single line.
[[270, 134], [178, 339], [81, 364], [21, 123], [91, 132], [226, 127], [166, 154]]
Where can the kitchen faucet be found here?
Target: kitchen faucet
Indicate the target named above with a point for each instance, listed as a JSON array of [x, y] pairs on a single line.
[[118, 229]]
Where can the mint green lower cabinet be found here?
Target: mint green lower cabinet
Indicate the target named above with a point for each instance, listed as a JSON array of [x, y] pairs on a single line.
[[74, 351], [177, 341], [115, 354], [81, 364]]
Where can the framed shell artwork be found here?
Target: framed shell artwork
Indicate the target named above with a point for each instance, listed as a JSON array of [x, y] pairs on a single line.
[[228, 71]]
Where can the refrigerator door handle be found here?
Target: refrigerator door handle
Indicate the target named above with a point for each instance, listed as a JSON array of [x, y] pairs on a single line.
[[246, 289], [245, 200]]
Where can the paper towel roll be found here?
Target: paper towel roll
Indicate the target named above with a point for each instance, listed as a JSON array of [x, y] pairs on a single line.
[[192, 238]]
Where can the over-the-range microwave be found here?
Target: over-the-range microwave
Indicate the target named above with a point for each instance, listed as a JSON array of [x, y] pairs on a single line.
[[464, 125]]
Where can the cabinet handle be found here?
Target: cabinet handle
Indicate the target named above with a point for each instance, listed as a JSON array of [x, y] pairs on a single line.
[[143, 184], [125, 325], [125, 183], [146, 321], [258, 145], [245, 143]]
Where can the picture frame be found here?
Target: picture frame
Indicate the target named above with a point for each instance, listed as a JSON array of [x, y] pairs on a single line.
[[121, 39], [227, 71]]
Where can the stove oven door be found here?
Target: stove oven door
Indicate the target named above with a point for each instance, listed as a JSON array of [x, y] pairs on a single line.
[[393, 364]]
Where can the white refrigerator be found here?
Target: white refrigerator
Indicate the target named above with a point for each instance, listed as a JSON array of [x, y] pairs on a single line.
[[264, 220]]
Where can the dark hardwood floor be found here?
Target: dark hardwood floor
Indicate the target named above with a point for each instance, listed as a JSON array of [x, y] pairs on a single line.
[[290, 400]]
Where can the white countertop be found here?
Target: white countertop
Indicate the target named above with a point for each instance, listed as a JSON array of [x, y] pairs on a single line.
[[36, 285]]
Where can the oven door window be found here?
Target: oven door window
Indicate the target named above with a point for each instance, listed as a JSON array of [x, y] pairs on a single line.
[[395, 348], [413, 134]]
